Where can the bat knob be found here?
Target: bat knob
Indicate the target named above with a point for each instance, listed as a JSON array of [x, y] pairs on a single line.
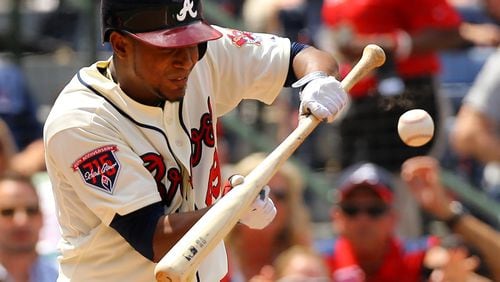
[[376, 55]]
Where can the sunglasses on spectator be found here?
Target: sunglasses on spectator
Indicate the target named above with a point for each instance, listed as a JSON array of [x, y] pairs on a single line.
[[373, 211], [10, 212]]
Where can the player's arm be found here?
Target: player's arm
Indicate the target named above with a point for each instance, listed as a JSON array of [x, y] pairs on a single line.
[[170, 228], [320, 92], [151, 232], [310, 59], [133, 208]]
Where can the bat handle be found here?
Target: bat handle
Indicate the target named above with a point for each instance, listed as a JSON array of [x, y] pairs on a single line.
[[373, 56]]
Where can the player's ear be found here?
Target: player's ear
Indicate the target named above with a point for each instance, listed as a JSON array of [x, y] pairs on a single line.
[[120, 43]]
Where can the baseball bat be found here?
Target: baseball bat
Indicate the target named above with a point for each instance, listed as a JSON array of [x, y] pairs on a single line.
[[182, 261]]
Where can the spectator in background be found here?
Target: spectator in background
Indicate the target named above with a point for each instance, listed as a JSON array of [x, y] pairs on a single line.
[[18, 111], [422, 176], [476, 131], [459, 70], [250, 250], [17, 107], [49, 235], [367, 248], [297, 263], [263, 16], [411, 35], [485, 33], [20, 224], [300, 264]]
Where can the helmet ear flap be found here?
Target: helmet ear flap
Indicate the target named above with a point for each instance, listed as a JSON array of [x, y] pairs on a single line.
[[202, 49]]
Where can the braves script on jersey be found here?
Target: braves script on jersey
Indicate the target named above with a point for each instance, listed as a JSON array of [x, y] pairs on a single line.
[[107, 154]]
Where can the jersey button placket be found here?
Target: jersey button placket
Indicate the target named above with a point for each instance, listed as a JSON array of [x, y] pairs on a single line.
[[178, 139]]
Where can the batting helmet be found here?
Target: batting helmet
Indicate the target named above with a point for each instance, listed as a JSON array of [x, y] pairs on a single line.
[[163, 23]]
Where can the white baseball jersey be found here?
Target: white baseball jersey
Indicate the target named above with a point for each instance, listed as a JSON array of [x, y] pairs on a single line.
[[107, 154]]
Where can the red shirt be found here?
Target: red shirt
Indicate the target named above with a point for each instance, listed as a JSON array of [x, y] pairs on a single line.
[[368, 17], [399, 264]]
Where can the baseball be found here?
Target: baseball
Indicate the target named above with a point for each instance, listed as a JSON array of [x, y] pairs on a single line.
[[415, 127]]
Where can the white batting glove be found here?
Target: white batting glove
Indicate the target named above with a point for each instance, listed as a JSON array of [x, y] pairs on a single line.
[[262, 211], [321, 95]]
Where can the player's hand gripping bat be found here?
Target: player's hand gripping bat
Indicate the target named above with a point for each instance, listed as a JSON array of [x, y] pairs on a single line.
[[182, 261]]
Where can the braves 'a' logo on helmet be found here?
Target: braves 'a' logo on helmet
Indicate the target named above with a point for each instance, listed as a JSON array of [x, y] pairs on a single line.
[[187, 8]]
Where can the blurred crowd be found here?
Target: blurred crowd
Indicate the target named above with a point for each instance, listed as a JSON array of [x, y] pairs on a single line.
[[391, 216]]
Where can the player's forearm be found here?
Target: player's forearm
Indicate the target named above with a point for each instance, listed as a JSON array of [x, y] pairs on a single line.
[[312, 59], [484, 238], [171, 228]]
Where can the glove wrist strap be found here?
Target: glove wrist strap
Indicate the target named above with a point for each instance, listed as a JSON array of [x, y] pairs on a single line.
[[308, 78]]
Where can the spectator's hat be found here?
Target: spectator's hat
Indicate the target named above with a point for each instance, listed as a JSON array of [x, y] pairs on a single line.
[[163, 23], [369, 176]]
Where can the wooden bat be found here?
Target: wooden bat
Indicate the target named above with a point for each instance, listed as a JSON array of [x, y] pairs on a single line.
[[182, 261]]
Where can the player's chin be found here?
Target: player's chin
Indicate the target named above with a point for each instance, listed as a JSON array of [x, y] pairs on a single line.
[[175, 95]]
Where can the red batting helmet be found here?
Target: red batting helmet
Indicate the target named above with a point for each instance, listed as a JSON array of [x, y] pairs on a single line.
[[163, 23]]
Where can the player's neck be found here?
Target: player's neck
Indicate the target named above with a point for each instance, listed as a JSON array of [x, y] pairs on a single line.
[[111, 72], [133, 89]]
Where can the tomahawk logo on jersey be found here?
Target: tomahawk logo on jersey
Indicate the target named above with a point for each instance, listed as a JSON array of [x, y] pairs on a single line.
[[240, 38]]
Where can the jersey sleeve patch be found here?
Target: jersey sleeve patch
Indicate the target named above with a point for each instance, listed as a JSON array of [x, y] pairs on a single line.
[[99, 168], [240, 38]]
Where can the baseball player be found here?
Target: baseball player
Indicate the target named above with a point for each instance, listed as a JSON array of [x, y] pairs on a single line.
[[130, 142]]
